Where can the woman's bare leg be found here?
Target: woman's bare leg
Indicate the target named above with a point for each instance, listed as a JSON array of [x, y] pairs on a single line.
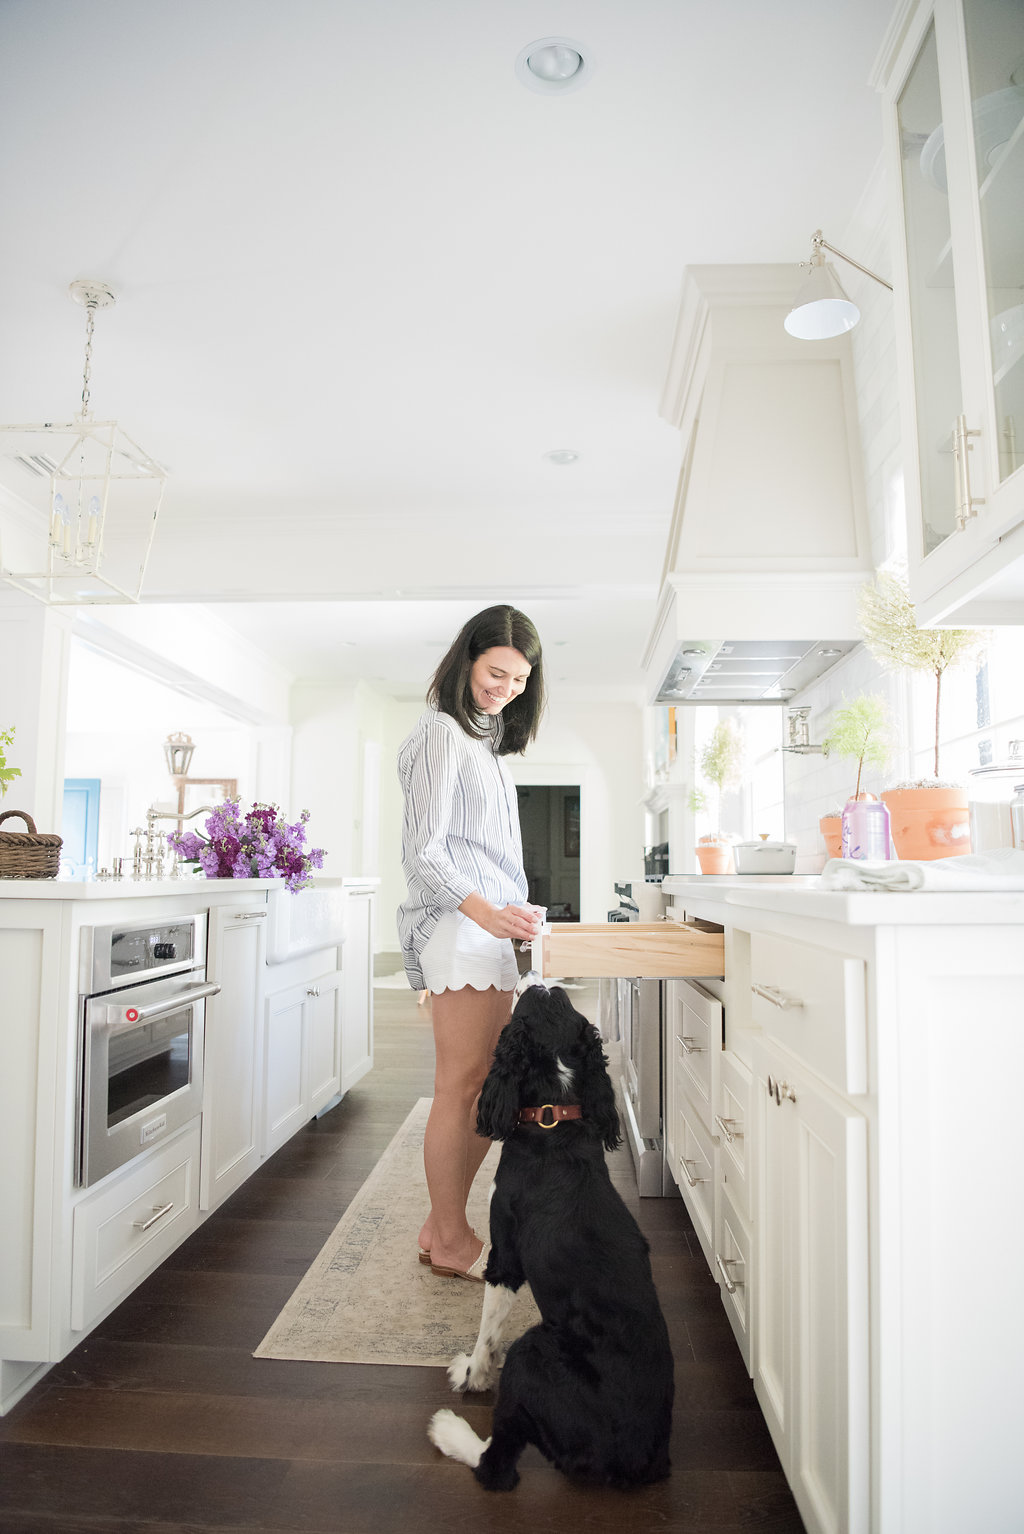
[[466, 1028]]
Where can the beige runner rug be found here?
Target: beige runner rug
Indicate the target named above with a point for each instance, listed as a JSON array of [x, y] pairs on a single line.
[[367, 1299]]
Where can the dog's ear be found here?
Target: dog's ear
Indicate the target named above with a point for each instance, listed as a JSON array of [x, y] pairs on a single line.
[[595, 1088], [498, 1110]]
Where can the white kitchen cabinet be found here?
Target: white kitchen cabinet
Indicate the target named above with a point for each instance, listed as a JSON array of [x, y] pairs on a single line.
[[301, 1057], [231, 1105], [956, 155], [357, 987], [31, 966], [811, 1348]]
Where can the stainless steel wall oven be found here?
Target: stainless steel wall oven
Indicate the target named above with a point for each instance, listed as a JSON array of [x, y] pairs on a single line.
[[140, 1044]]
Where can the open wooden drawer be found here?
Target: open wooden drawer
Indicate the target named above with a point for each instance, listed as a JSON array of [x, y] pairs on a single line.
[[646, 949]]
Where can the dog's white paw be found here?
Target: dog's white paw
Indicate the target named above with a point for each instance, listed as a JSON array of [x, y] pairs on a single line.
[[454, 1437], [466, 1374]]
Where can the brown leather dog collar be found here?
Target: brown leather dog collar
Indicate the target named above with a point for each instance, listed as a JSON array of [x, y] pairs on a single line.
[[558, 1111]]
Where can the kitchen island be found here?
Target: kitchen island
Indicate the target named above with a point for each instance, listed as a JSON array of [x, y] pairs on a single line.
[[839, 1117], [283, 1026], [872, 1042]]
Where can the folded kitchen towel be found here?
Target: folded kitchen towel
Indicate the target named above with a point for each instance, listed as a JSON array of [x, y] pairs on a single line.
[[1002, 869]]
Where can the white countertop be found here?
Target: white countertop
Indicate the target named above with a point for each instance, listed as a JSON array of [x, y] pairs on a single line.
[[802, 895], [142, 889]]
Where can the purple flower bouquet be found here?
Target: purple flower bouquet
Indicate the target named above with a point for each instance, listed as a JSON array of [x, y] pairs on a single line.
[[257, 845]]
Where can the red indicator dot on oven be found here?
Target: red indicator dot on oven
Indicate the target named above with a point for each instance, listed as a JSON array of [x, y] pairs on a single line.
[[131, 1014]]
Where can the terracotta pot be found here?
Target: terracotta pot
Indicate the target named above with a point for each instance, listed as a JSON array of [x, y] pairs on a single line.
[[831, 828], [929, 822], [715, 857]]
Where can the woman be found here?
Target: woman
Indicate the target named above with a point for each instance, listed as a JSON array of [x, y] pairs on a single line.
[[466, 902]]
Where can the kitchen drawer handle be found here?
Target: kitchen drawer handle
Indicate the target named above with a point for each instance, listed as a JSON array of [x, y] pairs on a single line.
[[781, 1091], [157, 1214], [724, 1264], [247, 916], [313, 990], [780, 999], [689, 1047], [729, 1128], [693, 1181]]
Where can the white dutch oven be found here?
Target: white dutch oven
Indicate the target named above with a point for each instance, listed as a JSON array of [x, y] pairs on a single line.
[[765, 857]]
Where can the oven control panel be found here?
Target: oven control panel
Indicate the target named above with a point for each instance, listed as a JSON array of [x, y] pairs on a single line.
[[126, 954]]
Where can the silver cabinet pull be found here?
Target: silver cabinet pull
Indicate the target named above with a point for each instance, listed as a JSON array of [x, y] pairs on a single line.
[[729, 1127], [781, 1091], [686, 1165], [689, 1047], [157, 1214], [780, 999], [313, 990], [247, 916], [966, 502], [724, 1264]]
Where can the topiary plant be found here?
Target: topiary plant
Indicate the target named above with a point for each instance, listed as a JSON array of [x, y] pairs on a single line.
[[721, 763], [862, 731], [892, 635], [7, 774]]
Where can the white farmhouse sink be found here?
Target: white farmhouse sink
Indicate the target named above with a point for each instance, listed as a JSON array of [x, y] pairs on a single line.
[[311, 918]]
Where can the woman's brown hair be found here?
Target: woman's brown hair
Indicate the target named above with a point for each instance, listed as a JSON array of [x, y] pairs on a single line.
[[449, 691]]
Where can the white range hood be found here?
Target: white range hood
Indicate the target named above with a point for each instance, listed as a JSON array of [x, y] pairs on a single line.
[[768, 547]]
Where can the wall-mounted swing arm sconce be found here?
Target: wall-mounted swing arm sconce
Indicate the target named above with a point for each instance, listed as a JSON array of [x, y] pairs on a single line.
[[821, 308]]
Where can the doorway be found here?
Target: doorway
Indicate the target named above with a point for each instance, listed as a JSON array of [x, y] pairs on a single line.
[[549, 816]]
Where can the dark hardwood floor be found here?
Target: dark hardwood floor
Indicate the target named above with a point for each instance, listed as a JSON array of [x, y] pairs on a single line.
[[161, 1420]]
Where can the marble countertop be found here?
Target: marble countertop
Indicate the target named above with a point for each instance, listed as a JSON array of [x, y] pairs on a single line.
[[802, 895]]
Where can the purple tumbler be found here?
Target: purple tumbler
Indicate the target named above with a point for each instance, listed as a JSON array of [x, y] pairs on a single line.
[[866, 830]]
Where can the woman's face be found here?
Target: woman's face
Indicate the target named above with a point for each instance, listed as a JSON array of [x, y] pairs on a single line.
[[496, 677]]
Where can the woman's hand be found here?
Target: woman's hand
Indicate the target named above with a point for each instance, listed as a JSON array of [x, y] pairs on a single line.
[[518, 922]]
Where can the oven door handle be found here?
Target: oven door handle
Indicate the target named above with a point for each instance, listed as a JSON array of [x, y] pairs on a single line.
[[162, 1008]]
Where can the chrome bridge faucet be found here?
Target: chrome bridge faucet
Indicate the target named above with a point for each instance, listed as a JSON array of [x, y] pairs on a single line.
[[144, 863]]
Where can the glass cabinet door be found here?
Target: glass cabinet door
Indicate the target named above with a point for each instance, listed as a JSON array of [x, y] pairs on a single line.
[[994, 31], [933, 317]]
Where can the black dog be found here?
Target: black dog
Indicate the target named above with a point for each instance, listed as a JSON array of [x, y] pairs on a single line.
[[592, 1384]]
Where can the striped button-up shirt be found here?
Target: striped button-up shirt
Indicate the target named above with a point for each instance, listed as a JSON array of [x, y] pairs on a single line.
[[460, 831]]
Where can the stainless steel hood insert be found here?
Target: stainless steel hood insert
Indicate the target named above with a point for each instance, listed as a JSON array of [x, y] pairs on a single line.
[[747, 671]]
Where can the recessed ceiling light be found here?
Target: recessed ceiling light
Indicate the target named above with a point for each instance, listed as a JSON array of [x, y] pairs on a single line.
[[562, 455], [554, 65]]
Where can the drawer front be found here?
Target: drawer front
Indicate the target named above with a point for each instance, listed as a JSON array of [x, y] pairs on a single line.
[[734, 1273], [694, 1171], [694, 1035], [649, 950], [814, 1002], [732, 1126], [122, 1232]]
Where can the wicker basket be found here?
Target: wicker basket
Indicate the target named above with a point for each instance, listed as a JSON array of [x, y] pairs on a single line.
[[26, 854]]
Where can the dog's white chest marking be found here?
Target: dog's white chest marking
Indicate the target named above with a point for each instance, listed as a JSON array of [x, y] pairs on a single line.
[[566, 1075]]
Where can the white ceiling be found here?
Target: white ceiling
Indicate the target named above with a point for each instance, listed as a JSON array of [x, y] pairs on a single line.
[[366, 280]]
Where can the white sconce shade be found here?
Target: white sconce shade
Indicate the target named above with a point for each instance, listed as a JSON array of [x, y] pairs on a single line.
[[821, 308]]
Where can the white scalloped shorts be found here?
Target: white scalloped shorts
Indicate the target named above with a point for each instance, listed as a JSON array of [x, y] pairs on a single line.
[[459, 953]]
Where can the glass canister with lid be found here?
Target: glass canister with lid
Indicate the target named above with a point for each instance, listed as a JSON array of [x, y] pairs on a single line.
[[990, 795]]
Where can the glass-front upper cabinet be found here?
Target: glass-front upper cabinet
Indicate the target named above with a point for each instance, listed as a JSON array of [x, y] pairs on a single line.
[[955, 83]]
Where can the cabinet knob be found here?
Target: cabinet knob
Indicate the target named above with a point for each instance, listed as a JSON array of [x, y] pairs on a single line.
[[313, 990]]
